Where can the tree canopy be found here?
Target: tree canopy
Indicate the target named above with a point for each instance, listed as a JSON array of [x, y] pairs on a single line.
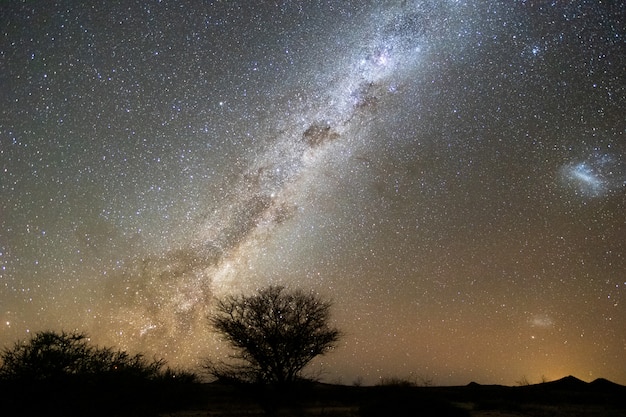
[[275, 334]]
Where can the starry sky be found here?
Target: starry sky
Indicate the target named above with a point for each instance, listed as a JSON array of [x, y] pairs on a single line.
[[451, 174]]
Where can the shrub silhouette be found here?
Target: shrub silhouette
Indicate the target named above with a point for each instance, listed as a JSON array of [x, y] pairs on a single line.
[[275, 334], [63, 374], [50, 356]]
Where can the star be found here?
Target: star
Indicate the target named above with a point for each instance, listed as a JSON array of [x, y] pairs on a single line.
[[449, 173]]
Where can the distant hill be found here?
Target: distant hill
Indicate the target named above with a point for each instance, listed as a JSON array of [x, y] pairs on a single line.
[[568, 383], [573, 384], [604, 385]]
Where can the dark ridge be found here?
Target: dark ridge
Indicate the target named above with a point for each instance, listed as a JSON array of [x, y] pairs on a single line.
[[604, 385], [605, 382], [567, 383]]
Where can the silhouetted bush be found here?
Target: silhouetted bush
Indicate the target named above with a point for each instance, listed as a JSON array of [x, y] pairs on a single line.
[[62, 374], [50, 356]]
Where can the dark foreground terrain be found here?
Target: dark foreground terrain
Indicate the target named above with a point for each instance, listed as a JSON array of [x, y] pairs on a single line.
[[566, 397]]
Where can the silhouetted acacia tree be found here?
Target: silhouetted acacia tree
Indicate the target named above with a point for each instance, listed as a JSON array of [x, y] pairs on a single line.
[[275, 333]]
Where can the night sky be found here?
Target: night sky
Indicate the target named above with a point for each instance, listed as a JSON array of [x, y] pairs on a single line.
[[451, 174]]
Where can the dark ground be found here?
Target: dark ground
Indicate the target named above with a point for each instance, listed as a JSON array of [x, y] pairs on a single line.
[[566, 397], [569, 397]]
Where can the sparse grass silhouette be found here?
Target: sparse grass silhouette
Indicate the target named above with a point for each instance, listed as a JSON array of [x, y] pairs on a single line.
[[413, 380], [394, 381]]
